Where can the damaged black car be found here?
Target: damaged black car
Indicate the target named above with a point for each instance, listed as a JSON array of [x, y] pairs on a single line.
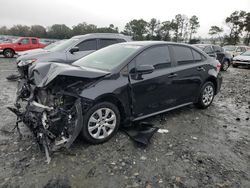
[[111, 87]]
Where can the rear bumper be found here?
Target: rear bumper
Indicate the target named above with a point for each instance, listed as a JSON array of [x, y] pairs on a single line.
[[219, 82]]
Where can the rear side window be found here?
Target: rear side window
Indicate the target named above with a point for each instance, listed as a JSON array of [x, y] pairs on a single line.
[[208, 50], [183, 55], [157, 56], [197, 56], [87, 45], [217, 49], [107, 42], [34, 41]]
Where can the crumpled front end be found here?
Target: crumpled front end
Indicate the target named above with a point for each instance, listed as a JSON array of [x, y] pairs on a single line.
[[54, 114]]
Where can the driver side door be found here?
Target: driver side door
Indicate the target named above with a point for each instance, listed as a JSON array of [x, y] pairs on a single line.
[[152, 92], [85, 47]]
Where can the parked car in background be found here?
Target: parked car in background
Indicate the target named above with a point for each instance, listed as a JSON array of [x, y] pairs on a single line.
[[120, 83], [218, 53], [20, 44], [242, 59], [39, 50], [75, 48], [235, 50]]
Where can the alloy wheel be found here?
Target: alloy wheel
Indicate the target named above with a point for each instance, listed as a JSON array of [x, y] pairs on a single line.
[[208, 95], [102, 123]]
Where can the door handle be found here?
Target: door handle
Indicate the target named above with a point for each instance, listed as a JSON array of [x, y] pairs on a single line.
[[172, 75], [200, 69]]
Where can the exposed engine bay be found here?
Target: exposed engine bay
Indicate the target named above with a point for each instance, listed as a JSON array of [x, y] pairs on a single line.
[[54, 115]]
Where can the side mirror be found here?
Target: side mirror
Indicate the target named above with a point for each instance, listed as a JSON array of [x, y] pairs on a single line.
[[74, 49], [19, 43], [145, 69]]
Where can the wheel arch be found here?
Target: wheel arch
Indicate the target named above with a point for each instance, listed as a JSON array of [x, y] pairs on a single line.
[[214, 81], [114, 100], [9, 49]]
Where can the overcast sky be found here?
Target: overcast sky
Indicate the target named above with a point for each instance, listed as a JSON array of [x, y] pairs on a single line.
[[105, 12]]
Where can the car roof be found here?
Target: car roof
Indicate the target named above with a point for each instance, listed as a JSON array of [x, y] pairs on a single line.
[[151, 43], [111, 35]]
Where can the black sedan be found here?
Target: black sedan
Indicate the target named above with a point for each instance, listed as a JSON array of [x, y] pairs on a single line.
[[218, 53], [116, 85]]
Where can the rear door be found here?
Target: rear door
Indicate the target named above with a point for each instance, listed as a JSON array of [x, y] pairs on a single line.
[[85, 47], [152, 92], [34, 43], [190, 70]]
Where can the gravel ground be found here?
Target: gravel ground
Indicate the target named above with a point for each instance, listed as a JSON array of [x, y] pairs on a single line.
[[203, 148]]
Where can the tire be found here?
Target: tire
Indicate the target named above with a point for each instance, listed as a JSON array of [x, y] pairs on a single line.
[[234, 65], [225, 65], [207, 89], [8, 53], [92, 123]]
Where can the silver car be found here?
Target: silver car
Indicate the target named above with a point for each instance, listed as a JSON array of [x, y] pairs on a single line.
[[242, 59], [74, 48]]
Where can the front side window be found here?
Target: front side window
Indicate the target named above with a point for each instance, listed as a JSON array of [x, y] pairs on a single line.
[[87, 45], [107, 42], [34, 41], [25, 41], [157, 56], [183, 55]]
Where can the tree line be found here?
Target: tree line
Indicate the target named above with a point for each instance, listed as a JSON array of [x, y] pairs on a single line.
[[179, 29]]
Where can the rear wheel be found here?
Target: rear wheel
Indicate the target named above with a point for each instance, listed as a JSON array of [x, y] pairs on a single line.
[[206, 95], [100, 123], [225, 65], [8, 53]]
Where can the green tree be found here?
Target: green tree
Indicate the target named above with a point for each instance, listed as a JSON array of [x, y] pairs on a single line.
[[110, 29], [216, 31], [178, 25], [236, 24], [19, 30], [165, 31], [247, 28], [38, 31], [3, 30], [153, 30], [193, 26], [136, 28], [84, 28], [59, 31]]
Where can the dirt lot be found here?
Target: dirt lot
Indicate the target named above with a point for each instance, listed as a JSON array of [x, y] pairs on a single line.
[[203, 148]]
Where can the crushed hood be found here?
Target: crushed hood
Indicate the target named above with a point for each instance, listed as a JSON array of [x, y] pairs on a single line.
[[44, 73]]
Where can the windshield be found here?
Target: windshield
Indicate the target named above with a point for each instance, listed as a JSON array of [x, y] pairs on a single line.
[[229, 48], [63, 45], [16, 40], [108, 58], [247, 53]]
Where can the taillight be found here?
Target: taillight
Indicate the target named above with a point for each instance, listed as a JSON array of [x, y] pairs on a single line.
[[218, 66]]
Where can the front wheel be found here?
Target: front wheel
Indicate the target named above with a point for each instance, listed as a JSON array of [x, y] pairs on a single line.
[[8, 53], [225, 65], [101, 122], [206, 95]]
